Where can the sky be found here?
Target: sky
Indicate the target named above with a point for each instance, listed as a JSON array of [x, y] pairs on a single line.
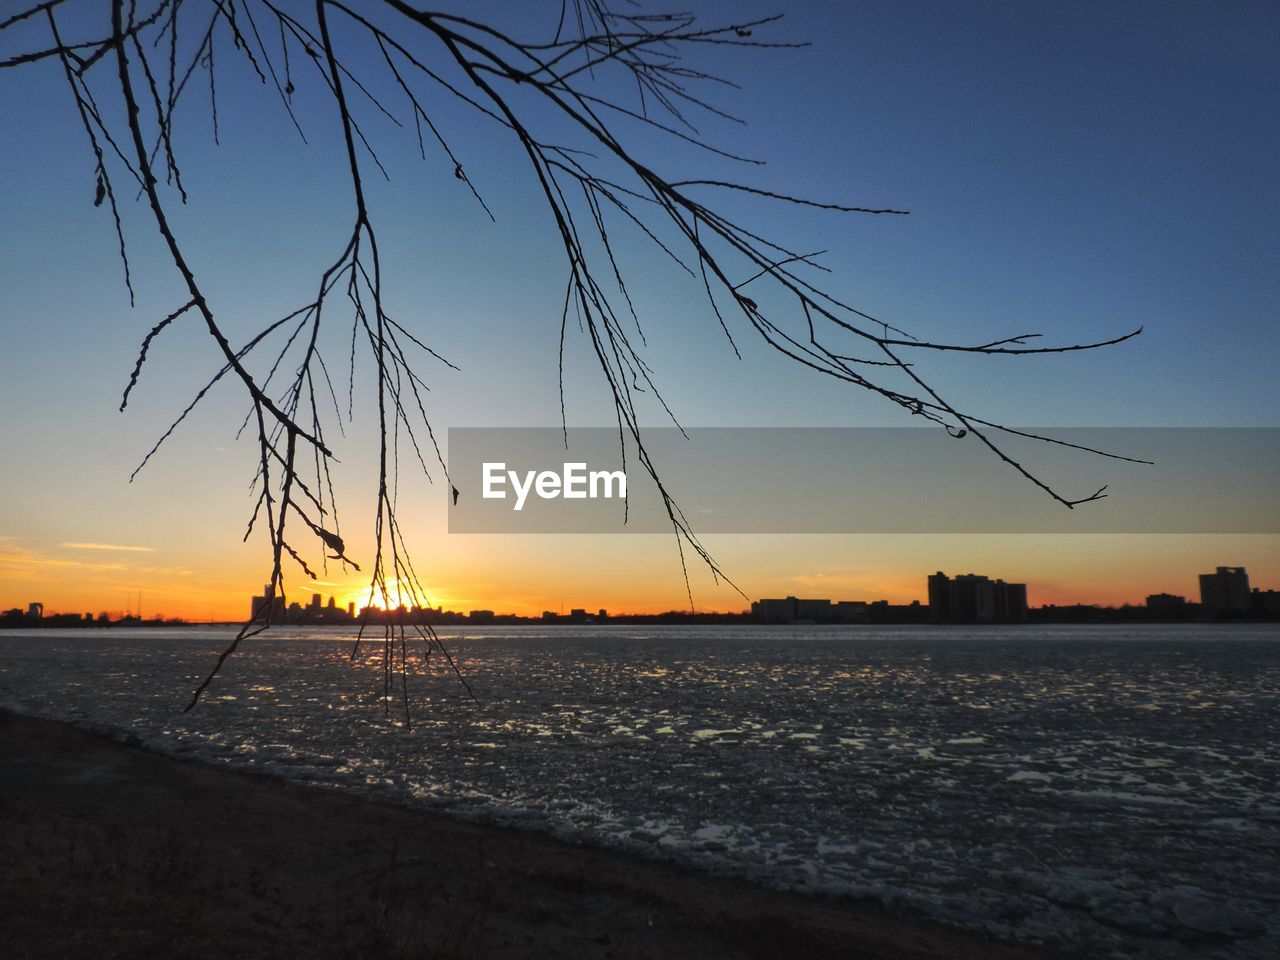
[[1077, 169]]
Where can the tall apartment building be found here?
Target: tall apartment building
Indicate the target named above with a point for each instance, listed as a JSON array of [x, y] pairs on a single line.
[[1225, 592], [971, 598]]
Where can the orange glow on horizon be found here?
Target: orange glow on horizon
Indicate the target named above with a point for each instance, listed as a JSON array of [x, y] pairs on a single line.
[[234, 608], [633, 574]]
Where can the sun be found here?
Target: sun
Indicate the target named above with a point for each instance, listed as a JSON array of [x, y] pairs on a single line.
[[399, 592]]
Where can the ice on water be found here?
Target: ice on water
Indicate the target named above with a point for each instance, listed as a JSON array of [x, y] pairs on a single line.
[[1111, 790]]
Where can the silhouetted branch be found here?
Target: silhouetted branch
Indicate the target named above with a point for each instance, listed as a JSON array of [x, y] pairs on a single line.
[[146, 344], [568, 108]]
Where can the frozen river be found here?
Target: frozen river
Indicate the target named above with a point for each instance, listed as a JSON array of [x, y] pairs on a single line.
[[1110, 789]]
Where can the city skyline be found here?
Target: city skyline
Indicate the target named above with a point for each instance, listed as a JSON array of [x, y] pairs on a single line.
[[1226, 590]]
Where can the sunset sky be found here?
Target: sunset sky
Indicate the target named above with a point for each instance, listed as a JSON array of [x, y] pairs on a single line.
[[1077, 170]]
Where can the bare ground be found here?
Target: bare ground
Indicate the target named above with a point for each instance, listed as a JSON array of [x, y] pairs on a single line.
[[110, 851]]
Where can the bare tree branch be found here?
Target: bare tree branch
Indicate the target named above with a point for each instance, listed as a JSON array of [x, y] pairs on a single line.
[[570, 109]]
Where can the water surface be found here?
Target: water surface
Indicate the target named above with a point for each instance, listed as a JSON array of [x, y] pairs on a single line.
[[1108, 788]]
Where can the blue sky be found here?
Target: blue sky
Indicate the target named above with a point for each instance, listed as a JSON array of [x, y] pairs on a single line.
[[1074, 169]]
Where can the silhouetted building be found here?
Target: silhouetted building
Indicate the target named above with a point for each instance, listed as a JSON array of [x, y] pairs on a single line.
[[1072, 613], [1225, 592], [971, 598], [815, 611], [1265, 603], [1167, 606], [35, 611], [821, 610], [1011, 602], [851, 611], [882, 611], [267, 597], [778, 611], [939, 597], [793, 610], [774, 611]]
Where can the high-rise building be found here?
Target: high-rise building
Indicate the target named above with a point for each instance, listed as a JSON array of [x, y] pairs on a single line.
[[1011, 602], [971, 598], [1225, 592], [267, 597], [939, 597]]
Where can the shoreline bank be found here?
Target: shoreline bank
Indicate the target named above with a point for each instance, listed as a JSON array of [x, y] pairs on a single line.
[[110, 850]]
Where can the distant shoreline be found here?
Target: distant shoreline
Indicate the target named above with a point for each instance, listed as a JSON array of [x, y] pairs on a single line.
[[1061, 616]]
